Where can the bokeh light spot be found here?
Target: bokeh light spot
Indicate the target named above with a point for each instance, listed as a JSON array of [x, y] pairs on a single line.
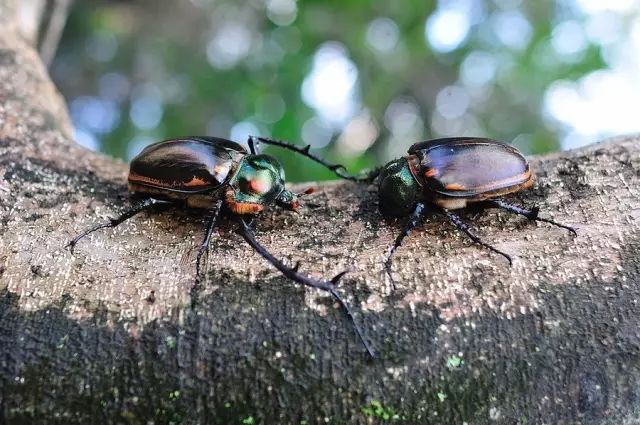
[[86, 139], [114, 86], [600, 104], [137, 144], [478, 69], [452, 102], [593, 6], [569, 41], [604, 27], [94, 114], [329, 87], [317, 133], [282, 12], [241, 131], [270, 108], [357, 136], [102, 46], [446, 29], [382, 35], [146, 107], [401, 116], [512, 29], [229, 45]]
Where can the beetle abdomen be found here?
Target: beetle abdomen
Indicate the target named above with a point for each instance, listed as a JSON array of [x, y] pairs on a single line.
[[470, 168], [185, 165]]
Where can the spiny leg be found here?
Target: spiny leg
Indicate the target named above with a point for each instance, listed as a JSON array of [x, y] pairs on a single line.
[[461, 225], [339, 170], [531, 214], [207, 236], [113, 222], [414, 220], [204, 246], [292, 273], [254, 146]]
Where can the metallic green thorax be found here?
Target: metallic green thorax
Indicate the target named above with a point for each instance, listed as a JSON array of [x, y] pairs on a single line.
[[260, 180], [398, 189]]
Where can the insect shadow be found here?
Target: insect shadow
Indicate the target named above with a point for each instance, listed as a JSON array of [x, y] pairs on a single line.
[[218, 176], [442, 176]]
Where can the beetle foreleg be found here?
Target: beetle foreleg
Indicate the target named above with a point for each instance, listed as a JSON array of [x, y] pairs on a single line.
[[461, 225], [531, 214], [339, 170], [245, 231], [204, 246], [207, 236], [254, 146], [414, 220], [113, 222]]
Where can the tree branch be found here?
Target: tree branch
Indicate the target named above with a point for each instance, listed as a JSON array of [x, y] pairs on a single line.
[[108, 334]]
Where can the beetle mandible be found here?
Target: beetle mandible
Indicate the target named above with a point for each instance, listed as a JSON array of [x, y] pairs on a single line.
[[216, 174], [444, 175]]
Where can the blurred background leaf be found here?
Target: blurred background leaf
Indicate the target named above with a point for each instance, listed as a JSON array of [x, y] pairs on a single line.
[[358, 80]]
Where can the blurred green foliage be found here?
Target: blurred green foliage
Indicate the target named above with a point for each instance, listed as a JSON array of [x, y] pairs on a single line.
[[139, 71]]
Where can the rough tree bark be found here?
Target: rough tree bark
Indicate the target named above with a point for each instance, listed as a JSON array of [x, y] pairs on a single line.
[[108, 335]]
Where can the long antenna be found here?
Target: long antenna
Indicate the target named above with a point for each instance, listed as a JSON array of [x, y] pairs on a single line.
[[338, 169]]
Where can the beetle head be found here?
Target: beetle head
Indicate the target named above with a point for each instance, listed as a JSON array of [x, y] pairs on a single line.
[[398, 189], [259, 181]]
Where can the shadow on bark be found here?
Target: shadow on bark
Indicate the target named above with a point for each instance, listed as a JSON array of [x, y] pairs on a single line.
[[550, 366]]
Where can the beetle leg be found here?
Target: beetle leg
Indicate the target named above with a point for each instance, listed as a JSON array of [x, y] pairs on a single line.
[[207, 236], [461, 225], [254, 145], [414, 220], [339, 170], [113, 222], [245, 231], [531, 214], [204, 246]]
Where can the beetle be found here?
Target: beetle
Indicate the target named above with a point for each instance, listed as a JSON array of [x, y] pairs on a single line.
[[444, 175], [216, 175]]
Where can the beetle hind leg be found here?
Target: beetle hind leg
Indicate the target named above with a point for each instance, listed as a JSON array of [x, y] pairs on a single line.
[[464, 227], [113, 222], [531, 214], [414, 220]]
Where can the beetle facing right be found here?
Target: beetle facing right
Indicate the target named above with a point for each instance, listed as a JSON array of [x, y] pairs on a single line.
[[444, 175], [216, 175]]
